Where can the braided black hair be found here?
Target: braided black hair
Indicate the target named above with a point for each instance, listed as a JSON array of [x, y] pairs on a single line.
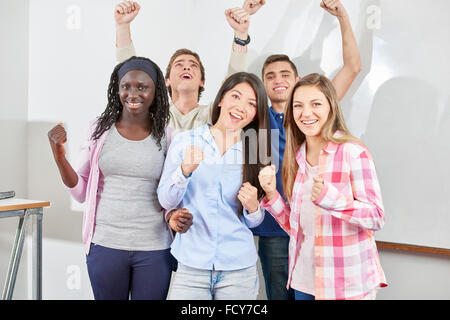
[[158, 115]]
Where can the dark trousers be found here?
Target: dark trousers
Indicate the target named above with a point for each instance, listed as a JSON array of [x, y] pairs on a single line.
[[122, 275], [274, 256]]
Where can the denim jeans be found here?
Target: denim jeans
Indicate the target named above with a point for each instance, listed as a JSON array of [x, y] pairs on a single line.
[[274, 256], [195, 284], [303, 296], [121, 275]]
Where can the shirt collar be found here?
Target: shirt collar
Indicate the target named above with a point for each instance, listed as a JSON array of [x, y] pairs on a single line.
[[274, 113], [330, 147], [207, 136]]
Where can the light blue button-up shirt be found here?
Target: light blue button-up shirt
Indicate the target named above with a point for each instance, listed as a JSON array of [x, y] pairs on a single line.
[[219, 238]]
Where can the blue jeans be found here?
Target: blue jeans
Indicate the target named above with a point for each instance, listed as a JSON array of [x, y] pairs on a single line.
[[274, 256], [195, 284], [119, 274], [303, 296]]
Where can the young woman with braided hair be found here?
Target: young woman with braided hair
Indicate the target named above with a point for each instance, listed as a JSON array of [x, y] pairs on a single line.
[[124, 232]]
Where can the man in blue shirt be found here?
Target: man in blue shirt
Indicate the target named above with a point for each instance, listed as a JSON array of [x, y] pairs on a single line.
[[279, 75]]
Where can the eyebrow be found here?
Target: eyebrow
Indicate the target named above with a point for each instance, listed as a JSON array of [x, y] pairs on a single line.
[[189, 60], [273, 72], [241, 94], [315, 99]]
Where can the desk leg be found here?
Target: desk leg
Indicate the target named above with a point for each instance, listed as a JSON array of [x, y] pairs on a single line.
[[37, 254], [15, 259]]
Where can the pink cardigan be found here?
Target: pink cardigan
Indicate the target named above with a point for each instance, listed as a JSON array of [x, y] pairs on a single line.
[[89, 180]]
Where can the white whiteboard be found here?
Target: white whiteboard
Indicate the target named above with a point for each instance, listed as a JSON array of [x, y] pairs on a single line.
[[399, 105]]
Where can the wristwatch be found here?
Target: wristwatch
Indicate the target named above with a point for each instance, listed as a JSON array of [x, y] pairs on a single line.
[[242, 42]]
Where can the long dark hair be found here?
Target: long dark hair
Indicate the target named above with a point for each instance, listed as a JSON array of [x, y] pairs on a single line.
[[158, 115], [260, 126]]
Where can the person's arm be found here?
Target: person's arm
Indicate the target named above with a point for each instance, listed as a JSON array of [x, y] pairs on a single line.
[[253, 214], [239, 21], [352, 62], [178, 167], [57, 136], [273, 201], [124, 14], [365, 208], [75, 182], [252, 6], [179, 220]]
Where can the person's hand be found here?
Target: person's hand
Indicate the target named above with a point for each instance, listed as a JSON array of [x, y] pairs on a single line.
[[252, 6], [316, 188], [248, 196], [57, 137], [192, 158], [180, 220], [334, 7], [126, 11], [239, 20], [268, 181]]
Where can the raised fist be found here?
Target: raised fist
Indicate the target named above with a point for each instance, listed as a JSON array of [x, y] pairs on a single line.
[[238, 19], [251, 6], [126, 11], [192, 158], [334, 7], [268, 181], [248, 196], [57, 137]]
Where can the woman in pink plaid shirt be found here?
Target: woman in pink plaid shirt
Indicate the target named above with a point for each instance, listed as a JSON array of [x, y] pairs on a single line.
[[333, 205]]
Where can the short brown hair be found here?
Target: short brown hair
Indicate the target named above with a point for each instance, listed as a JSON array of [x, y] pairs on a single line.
[[278, 57], [178, 53]]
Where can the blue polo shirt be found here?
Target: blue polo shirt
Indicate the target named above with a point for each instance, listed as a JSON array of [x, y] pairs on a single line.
[[270, 227]]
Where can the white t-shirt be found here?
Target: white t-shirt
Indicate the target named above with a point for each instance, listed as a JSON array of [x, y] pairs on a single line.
[[304, 270]]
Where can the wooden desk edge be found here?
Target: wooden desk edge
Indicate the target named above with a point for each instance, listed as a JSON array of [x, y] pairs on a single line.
[[414, 248], [39, 204]]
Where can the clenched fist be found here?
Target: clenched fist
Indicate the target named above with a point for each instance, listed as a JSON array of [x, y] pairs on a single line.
[[268, 181], [251, 6], [126, 11], [334, 7], [192, 158], [316, 188], [248, 196], [239, 20], [57, 137]]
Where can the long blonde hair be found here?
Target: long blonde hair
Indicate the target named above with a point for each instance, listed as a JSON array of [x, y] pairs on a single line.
[[295, 138]]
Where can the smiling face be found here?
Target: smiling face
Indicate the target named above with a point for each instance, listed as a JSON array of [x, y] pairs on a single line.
[[279, 78], [136, 92], [185, 74], [310, 110], [238, 107]]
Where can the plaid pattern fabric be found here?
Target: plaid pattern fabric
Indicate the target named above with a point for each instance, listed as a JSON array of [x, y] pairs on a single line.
[[348, 212]]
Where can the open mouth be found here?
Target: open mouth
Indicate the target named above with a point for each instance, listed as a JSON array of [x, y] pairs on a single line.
[[235, 116], [280, 89], [309, 122], [134, 105], [186, 76]]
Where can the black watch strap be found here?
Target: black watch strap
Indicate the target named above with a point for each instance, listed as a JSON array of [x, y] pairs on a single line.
[[242, 42]]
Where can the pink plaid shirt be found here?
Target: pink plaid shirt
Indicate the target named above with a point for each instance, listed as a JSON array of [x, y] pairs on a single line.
[[348, 212]]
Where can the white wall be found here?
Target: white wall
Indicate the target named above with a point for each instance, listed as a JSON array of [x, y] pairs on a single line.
[[13, 125], [65, 53]]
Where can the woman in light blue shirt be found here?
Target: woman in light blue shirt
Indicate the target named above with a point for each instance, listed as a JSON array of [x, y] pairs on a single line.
[[213, 172]]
